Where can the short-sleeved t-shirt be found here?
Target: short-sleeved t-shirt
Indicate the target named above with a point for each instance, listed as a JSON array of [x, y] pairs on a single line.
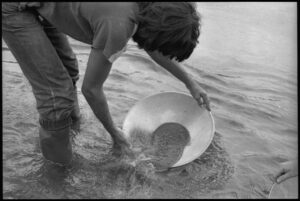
[[104, 25]]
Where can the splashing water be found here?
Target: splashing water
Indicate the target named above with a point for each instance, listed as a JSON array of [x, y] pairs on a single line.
[[164, 147]]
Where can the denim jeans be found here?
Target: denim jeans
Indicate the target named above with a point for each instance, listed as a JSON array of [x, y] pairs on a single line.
[[47, 61]]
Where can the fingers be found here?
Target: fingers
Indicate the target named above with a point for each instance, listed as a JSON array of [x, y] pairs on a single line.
[[282, 174], [129, 153], [203, 101], [283, 177], [287, 170], [123, 151], [278, 173]]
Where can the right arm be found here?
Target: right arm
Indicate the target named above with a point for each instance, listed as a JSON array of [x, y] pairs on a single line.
[[97, 71]]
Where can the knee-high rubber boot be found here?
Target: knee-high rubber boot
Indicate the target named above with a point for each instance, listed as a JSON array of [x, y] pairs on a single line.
[[56, 145]]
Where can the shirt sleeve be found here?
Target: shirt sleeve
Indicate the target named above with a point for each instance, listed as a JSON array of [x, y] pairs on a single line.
[[112, 35]]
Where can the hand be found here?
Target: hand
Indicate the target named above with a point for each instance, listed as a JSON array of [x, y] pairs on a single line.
[[287, 170], [199, 95], [120, 145]]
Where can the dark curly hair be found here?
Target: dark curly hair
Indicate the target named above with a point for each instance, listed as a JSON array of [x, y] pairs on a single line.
[[171, 28]]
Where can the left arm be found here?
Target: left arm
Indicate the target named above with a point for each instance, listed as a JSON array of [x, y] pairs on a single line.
[[175, 69]]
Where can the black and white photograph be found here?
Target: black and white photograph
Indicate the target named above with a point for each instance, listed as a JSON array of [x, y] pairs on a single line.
[[150, 100]]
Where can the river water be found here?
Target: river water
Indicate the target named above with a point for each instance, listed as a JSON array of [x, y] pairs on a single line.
[[247, 62]]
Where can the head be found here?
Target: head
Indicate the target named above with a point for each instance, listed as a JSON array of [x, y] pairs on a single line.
[[171, 28]]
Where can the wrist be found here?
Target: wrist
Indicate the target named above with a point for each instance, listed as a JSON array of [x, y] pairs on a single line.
[[114, 132], [190, 83], [117, 134]]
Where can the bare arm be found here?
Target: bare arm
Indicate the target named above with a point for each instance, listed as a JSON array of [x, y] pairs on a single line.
[[97, 71], [175, 69]]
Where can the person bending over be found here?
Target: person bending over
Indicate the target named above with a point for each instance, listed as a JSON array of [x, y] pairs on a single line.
[[35, 32]]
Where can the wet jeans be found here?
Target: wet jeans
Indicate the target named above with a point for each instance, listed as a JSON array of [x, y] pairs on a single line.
[[47, 61]]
